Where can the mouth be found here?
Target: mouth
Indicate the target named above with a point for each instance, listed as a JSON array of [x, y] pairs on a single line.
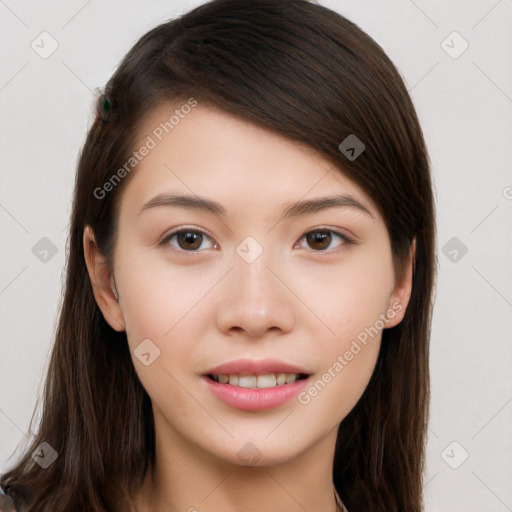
[[255, 385], [257, 381]]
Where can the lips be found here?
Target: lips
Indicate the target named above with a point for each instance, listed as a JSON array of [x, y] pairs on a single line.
[[255, 367], [255, 385]]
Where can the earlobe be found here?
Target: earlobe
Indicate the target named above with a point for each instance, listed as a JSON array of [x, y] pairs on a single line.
[[103, 285], [401, 293]]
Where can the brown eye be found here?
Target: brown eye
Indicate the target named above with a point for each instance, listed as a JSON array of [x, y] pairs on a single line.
[[187, 240], [321, 239]]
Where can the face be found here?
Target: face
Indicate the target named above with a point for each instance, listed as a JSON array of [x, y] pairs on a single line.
[[249, 290]]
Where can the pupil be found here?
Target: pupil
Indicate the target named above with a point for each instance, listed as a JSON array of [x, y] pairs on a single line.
[[189, 237], [319, 237]]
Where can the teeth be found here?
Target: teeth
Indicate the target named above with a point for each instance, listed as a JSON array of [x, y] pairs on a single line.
[[266, 380], [247, 381], [290, 377]]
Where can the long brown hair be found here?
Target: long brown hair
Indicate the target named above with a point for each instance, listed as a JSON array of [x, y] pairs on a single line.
[[307, 73]]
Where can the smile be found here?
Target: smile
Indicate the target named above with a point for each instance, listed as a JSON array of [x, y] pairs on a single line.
[[263, 381], [243, 392]]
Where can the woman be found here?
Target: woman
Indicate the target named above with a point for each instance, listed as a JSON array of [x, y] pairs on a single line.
[[251, 266]]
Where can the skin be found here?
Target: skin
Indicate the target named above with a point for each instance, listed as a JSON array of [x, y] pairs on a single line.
[[300, 301]]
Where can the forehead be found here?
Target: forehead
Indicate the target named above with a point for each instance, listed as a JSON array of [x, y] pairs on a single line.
[[208, 152]]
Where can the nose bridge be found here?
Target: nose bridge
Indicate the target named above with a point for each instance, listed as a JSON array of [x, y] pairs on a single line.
[[253, 279], [255, 300], [254, 283], [251, 261]]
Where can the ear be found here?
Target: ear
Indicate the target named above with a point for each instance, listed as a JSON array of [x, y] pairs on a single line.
[[399, 297], [103, 285]]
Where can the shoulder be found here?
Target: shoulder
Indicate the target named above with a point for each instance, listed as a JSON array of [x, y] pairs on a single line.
[[6, 503]]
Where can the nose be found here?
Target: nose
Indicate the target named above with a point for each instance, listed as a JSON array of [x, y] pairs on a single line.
[[255, 300]]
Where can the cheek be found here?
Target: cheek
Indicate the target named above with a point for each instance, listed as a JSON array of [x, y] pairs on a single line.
[[350, 301], [155, 294], [352, 306], [164, 304], [350, 296], [334, 393], [158, 307]]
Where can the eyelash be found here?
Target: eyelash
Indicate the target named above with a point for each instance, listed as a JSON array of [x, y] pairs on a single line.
[[165, 239]]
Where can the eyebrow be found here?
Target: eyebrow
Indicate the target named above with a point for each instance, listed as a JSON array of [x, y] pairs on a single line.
[[292, 210]]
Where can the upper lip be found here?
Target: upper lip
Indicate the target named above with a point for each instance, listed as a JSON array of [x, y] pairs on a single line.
[[255, 367]]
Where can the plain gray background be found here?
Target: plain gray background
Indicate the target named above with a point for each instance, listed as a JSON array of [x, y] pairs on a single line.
[[464, 102]]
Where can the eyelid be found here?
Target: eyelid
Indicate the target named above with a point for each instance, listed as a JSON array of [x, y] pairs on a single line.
[[164, 239], [347, 239]]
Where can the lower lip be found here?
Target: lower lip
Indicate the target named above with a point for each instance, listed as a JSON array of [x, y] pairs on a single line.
[[255, 399]]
